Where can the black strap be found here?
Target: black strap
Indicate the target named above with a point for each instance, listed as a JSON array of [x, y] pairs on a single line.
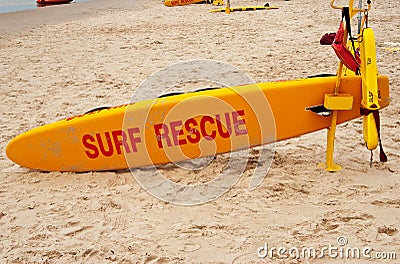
[[346, 16], [363, 111], [382, 155]]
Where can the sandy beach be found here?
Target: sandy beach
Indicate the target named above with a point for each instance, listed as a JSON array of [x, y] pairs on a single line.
[[61, 61]]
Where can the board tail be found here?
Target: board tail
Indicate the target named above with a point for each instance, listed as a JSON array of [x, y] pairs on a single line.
[[370, 132]]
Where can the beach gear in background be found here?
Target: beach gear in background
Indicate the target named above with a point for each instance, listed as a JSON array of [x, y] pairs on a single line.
[[171, 3], [166, 129], [52, 2], [218, 2], [244, 8]]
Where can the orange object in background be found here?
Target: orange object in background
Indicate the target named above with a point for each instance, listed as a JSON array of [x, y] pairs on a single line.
[[171, 3]]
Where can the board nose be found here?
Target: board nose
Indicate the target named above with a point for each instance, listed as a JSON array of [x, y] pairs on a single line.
[[168, 2], [10, 151]]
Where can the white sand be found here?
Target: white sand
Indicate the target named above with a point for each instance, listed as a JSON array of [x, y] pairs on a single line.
[[99, 52]]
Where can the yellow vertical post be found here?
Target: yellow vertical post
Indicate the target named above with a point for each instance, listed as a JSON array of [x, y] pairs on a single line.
[[228, 7], [330, 165], [330, 143]]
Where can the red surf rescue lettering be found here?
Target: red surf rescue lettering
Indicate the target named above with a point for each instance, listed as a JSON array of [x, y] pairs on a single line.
[[191, 131], [111, 143], [170, 134], [181, 2]]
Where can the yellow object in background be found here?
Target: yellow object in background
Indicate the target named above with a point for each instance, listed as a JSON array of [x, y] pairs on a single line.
[[218, 2], [171, 3]]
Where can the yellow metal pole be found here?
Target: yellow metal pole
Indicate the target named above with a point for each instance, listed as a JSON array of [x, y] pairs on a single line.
[[330, 143], [228, 7]]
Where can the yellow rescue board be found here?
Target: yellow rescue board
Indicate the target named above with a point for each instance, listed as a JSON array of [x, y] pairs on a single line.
[[185, 126], [245, 8], [171, 3], [370, 95]]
